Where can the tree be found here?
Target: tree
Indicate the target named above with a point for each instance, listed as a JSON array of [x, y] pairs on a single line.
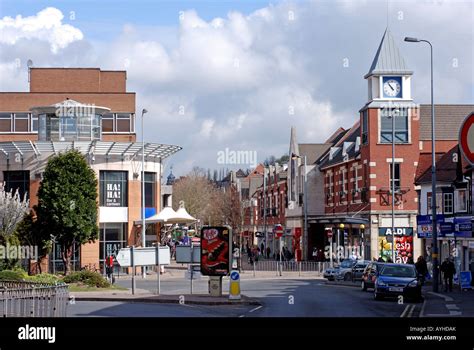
[[29, 233], [67, 203]]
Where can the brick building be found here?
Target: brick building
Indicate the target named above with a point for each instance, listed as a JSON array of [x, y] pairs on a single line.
[[358, 168], [90, 110]]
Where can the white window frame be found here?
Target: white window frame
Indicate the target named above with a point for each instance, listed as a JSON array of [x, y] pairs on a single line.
[[457, 198], [445, 196]]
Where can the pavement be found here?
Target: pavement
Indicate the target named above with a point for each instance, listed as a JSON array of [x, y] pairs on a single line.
[[448, 304]]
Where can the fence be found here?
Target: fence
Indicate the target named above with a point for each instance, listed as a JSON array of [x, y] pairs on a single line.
[[285, 266], [29, 299]]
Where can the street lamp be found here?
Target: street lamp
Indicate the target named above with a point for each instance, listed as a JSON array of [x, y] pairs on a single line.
[[143, 191], [305, 202], [434, 252], [341, 226]]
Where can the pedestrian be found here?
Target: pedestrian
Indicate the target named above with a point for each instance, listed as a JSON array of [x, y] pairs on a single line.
[[448, 269], [268, 252], [421, 269], [262, 248], [381, 259]]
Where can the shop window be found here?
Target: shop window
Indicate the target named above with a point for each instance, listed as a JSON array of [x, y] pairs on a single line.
[[112, 238]]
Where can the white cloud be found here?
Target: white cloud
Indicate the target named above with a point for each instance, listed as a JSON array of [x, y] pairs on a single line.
[[241, 81], [46, 25]]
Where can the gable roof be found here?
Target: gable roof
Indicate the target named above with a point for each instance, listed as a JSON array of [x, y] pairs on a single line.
[[345, 147], [446, 168], [313, 151], [388, 59]]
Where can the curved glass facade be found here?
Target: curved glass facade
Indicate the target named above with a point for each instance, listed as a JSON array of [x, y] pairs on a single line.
[[69, 128]]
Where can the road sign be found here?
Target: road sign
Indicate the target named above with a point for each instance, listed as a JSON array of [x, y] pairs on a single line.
[[143, 256], [183, 254], [466, 138], [329, 233], [234, 288], [278, 231]]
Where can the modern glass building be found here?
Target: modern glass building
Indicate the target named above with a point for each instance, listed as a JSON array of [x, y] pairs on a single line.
[[90, 110]]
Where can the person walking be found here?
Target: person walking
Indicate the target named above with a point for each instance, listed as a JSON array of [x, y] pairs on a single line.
[[421, 269], [448, 269]]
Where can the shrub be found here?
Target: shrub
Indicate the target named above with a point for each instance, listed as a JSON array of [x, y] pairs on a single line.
[[13, 275], [44, 278], [89, 278]]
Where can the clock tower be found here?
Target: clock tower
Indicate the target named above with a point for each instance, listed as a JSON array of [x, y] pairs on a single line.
[[388, 78], [389, 119]]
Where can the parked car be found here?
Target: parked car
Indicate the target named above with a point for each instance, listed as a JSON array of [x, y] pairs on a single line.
[[397, 279], [331, 273], [358, 270], [345, 270], [370, 274]]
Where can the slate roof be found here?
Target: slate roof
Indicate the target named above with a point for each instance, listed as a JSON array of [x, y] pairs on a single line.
[[448, 120], [388, 59]]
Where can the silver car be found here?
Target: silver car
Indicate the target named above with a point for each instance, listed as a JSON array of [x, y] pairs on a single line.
[[345, 270]]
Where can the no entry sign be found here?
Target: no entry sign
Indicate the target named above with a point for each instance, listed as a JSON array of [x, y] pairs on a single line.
[[466, 138]]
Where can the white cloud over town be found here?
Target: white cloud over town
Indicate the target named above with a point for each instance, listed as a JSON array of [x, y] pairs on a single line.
[[241, 81]]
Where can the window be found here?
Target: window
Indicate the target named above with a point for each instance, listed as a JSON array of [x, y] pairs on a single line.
[[343, 182], [365, 127], [17, 180], [112, 237], [21, 122], [69, 128], [438, 202], [401, 125], [34, 123], [397, 176], [448, 203], [461, 200], [123, 122], [150, 190], [5, 122], [108, 122], [331, 184], [113, 189], [356, 181]]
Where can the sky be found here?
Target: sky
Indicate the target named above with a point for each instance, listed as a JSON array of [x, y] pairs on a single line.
[[233, 76]]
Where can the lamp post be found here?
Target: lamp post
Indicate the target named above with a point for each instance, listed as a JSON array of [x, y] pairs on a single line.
[[392, 115], [143, 191], [341, 227], [434, 252], [362, 233]]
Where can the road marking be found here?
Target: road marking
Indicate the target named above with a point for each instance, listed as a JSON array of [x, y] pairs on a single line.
[[446, 298], [255, 309], [452, 307], [241, 316], [410, 314], [405, 311], [422, 312]]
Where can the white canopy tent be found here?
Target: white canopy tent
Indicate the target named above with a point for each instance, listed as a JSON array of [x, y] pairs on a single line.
[[169, 216]]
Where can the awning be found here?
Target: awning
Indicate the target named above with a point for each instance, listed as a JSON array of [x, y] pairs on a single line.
[[334, 220], [124, 150]]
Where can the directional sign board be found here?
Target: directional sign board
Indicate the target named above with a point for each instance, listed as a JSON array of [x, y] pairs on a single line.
[[466, 138], [143, 256], [183, 254]]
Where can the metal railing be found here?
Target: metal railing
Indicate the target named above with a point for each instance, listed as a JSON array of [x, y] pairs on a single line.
[[30, 299], [286, 266]]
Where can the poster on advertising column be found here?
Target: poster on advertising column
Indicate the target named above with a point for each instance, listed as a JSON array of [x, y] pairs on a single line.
[[403, 244], [215, 252]]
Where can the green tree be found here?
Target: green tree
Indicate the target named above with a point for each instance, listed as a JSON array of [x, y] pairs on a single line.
[[67, 203]]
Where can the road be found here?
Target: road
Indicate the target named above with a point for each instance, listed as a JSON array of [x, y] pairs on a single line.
[[279, 298]]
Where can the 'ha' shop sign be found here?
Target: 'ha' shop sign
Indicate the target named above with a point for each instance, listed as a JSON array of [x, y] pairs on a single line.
[[113, 196]]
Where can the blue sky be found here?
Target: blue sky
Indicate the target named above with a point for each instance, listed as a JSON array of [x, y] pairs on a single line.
[[226, 74]]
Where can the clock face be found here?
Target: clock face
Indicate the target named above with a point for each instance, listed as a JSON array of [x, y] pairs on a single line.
[[391, 88]]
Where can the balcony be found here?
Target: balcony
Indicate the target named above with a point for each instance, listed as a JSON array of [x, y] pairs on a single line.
[[386, 195]]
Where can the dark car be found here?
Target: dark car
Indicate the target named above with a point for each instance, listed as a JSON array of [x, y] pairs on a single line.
[[358, 269], [397, 279], [370, 274]]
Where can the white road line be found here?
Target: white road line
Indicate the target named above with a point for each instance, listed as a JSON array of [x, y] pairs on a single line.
[[255, 309], [241, 316], [446, 298], [452, 307], [410, 314], [404, 311], [422, 312]]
